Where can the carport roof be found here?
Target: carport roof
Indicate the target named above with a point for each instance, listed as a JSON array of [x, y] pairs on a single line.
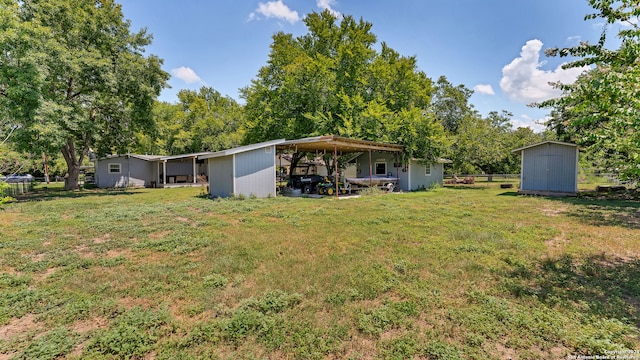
[[331, 142]]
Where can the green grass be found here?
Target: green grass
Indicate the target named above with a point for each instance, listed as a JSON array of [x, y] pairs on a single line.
[[466, 272]]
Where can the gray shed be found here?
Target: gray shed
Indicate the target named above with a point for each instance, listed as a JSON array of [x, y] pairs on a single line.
[[247, 170], [129, 170], [549, 167]]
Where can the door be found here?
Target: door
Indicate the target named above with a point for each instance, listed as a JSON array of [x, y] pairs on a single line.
[[547, 173]]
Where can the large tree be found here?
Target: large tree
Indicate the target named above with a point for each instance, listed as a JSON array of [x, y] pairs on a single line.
[[601, 110], [75, 77], [202, 120], [333, 81]]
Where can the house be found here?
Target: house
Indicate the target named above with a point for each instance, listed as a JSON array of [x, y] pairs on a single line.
[[373, 161], [125, 170], [549, 167], [134, 170], [412, 175], [246, 170]]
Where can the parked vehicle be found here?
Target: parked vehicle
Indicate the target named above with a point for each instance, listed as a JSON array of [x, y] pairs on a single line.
[[300, 178], [15, 178]]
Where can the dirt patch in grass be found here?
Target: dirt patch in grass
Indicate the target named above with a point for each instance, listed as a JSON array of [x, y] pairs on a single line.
[[361, 348], [84, 326], [102, 239], [47, 273], [38, 257], [84, 252], [129, 302], [159, 234], [118, 252], [555, 211], [19, 326]]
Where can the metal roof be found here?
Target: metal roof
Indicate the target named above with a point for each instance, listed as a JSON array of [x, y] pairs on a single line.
[[542, 143], [332, 142], [240, 149], [182, 156]]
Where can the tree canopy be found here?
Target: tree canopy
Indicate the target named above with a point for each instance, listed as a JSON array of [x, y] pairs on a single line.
[[601, 110], [74, 77], [202, 120], [332, 81]]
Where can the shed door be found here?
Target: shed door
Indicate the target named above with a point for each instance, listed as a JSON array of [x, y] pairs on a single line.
[[547, 172]]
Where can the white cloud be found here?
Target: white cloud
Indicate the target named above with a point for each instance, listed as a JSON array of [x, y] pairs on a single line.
[[573, 40], [525, 121], [485, 89], [275, 9], [524, 81], [327, 4], [186, 74]]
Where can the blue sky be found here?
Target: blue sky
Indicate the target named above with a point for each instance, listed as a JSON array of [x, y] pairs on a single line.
[[495, 47]]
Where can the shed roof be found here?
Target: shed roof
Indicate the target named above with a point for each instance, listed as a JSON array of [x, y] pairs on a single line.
[[240, 149], [331, 142], [542, 143]]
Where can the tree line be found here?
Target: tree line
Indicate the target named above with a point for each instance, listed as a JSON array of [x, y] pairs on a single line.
[[68, 86]]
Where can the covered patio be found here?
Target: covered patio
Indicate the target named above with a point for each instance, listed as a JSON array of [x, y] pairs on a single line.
[[336, 145]]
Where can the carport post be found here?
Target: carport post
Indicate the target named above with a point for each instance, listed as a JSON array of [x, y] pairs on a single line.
[[164, 173], [195, 180], [370, 170], [335, 165]]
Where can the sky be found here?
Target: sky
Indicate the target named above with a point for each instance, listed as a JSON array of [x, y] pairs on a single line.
[[494, 47]]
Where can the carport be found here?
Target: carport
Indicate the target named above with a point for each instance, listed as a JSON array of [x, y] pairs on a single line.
[[342, 145]]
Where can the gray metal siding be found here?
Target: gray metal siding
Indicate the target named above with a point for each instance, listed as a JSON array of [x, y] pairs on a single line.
[[256, 173], [419, 179], [362, 163], [221, 176], [549, 167], [180, 167], [133, 172]]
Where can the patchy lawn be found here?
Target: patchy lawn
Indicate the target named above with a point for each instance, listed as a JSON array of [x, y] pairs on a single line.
[[451, 273]]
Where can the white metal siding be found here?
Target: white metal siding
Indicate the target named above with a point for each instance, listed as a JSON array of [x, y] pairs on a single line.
[[255, 173]]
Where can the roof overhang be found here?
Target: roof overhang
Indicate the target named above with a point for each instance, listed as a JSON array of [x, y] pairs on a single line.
[[331, 143], [542, 143], [241, 149]]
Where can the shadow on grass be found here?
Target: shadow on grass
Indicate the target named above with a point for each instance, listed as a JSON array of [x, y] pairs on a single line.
[[597, 285], [43, 193], [604, 212], [465, 187]]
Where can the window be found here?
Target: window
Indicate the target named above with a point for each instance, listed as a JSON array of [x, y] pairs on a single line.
[[381, 168], [427, 170], [114, 168], [267, 150]]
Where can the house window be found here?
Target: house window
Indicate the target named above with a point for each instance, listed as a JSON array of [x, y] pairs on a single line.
[[114, 168], [381, 168], [267, 150], [427, 170]]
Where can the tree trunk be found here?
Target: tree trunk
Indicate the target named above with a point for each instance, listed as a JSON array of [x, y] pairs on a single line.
[[74, 162], [71, 180]]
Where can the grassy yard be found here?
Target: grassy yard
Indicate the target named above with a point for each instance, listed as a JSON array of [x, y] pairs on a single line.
[[473, 272]]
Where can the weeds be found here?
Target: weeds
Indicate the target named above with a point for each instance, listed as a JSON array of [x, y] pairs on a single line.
[[449, 273]]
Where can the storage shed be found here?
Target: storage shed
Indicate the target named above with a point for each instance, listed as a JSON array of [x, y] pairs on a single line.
[[247, 170], [549, 167], [129, 170]]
